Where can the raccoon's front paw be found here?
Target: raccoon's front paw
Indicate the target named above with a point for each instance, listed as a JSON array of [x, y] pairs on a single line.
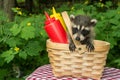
[[72, 47], [90, 47]]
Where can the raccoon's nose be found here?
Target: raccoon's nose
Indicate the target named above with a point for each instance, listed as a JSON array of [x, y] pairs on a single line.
[[77, 38]]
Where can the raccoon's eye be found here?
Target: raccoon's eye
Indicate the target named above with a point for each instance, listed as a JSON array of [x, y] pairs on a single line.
[[85, 32], [74, 30]]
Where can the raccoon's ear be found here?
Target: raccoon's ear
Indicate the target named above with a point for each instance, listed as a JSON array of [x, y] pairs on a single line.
[[72, 17], [93, 22]]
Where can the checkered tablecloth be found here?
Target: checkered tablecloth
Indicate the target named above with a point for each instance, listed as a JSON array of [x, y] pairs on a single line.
[[45, 73]]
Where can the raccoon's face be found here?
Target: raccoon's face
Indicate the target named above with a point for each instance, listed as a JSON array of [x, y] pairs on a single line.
[[82, 26]]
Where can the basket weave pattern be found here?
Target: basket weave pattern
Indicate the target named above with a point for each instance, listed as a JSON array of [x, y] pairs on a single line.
[[77, 64]]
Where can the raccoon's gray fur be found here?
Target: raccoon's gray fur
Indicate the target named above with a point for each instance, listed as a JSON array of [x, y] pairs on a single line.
[[83, 31]]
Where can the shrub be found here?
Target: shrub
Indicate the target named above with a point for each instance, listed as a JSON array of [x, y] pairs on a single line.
[[23, 42]]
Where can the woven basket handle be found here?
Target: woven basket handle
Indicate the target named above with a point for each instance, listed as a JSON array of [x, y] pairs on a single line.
[[69, 26]]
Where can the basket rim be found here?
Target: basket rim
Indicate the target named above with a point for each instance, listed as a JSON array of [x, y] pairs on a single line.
[[98, 44]]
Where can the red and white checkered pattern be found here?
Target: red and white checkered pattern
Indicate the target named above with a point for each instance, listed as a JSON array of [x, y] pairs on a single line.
[[45, 73]]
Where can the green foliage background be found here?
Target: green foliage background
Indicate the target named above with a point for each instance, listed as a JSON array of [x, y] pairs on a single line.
[[23, 41]]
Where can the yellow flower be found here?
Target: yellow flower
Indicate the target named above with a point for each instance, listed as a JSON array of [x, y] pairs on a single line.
[[72, 8], [16, 49], [19, 12], [28, 24], [86, 2], [118, 12], [102, 5], [17, 8]]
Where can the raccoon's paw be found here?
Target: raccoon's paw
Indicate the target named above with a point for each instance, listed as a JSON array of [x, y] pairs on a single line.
[[90, 47], [72, 47]]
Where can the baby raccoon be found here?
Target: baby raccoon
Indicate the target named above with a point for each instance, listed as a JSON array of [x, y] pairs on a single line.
[[83, 31]]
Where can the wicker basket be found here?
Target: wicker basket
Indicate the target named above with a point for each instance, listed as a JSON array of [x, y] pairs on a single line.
[[78, 64]]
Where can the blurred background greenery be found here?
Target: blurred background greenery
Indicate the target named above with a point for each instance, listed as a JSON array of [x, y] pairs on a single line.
[[23, 39]]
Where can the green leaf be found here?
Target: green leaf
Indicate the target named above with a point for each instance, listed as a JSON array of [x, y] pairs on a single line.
[[14, 10], [117, 61], [28, 32], [43, 33], [15, 29], [108, 4], [26, 21], [77, 12], [1, 61], [114, 21], [81, 12], [6, 28], [23, 55], [110, 14], [117, 33], [8, 55], [33, 48], [112, 41], [3, 73], [10, 58], [13, 41]]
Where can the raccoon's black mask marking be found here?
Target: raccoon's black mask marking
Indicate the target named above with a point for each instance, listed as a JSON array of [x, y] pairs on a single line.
[[82, 30]]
